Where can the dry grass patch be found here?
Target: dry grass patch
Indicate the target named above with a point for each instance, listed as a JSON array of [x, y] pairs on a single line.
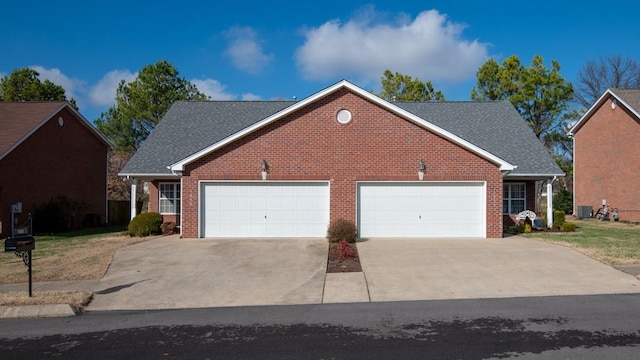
[[77, 299], [67, 258]]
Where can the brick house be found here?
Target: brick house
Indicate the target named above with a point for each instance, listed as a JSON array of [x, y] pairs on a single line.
[[286, 168], [606, 156], [48, 150]]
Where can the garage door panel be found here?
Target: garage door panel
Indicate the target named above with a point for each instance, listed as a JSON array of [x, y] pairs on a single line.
[[274, 209], [437, 209]]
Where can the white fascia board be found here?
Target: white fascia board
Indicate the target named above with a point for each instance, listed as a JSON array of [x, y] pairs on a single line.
[[504, 165], [533, 176], [589, 112], [179, 166], [596, 106], [149, 176]]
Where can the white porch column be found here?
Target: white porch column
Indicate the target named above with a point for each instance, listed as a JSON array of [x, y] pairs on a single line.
[[550, 204], [134, 188]]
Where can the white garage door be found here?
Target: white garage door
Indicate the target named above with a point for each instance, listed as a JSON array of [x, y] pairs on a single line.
[[425, 209], [273, 209]]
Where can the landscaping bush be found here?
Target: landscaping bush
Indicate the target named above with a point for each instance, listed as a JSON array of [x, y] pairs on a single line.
[[145, 224], [342, 229], [558, 219], [57, 215], [169, 228], [563, 200], [519, 229], [569, 227]]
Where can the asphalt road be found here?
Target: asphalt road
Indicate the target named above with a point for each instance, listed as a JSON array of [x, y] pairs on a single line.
[[601, 326]]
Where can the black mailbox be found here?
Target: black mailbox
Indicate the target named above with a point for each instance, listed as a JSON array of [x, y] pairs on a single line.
[[19, 243]]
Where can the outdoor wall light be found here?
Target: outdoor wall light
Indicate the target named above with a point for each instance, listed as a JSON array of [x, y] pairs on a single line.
[[265, 169], [421, 169]]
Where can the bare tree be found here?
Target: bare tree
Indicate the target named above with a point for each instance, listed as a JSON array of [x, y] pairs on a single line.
[[119, 188], [603, 73]]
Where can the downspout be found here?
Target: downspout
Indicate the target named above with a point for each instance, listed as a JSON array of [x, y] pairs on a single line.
[[573, 180], [134, 189], [550, 202], [179, 173], [106, 190]]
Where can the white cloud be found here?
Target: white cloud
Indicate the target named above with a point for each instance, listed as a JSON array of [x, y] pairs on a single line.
[[245, 50], [429, 47], [104, 92], [212, 88], [251, 97], [71, 86]]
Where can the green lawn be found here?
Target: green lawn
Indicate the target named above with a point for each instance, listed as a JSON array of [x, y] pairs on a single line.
[[612, 243]]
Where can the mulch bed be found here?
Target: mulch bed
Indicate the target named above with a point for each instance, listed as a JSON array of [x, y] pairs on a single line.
[[343, 257]]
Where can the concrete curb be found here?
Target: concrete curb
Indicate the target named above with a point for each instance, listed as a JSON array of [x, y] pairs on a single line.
[[36, 311]]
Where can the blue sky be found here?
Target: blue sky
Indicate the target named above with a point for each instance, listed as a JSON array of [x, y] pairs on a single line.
[[280, 49]]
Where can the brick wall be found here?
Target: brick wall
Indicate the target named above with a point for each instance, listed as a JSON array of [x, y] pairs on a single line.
[[311, 145], [55, 161], [607, 162]]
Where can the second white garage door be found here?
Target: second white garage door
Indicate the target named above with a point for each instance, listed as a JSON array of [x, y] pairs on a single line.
[[425, 209], [270, 209]]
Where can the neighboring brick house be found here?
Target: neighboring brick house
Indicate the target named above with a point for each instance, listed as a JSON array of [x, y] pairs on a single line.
[[48, 150], [341, 153], [606, 156]]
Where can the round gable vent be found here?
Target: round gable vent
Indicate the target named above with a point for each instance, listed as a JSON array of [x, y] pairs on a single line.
[[344, 116]]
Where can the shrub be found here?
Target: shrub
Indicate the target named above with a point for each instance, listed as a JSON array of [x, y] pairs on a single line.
[[563, 201], [57, 215], [168, 228], [342, 229], [519, 228], [569, 227], [558, 219], [145, 224], [345, 249]]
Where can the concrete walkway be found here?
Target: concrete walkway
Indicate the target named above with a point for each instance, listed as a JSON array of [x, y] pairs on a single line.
[[186, 273]]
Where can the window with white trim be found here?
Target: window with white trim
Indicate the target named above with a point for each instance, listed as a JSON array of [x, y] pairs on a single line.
[[513, 198], [169, 198]]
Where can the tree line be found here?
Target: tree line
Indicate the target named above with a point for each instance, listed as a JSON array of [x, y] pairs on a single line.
[[547, 102]]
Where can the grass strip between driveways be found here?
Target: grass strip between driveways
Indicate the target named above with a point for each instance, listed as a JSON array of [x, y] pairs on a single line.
[[612, 243]]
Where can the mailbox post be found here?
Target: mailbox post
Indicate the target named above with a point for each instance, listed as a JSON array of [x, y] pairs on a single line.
[[21, 242]]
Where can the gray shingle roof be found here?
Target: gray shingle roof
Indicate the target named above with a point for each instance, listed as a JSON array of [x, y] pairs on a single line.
[[189, 127], [493, 126]]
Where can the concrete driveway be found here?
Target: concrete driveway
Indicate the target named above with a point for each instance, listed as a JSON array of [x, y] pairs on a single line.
[[169, 272], [408, 269]]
